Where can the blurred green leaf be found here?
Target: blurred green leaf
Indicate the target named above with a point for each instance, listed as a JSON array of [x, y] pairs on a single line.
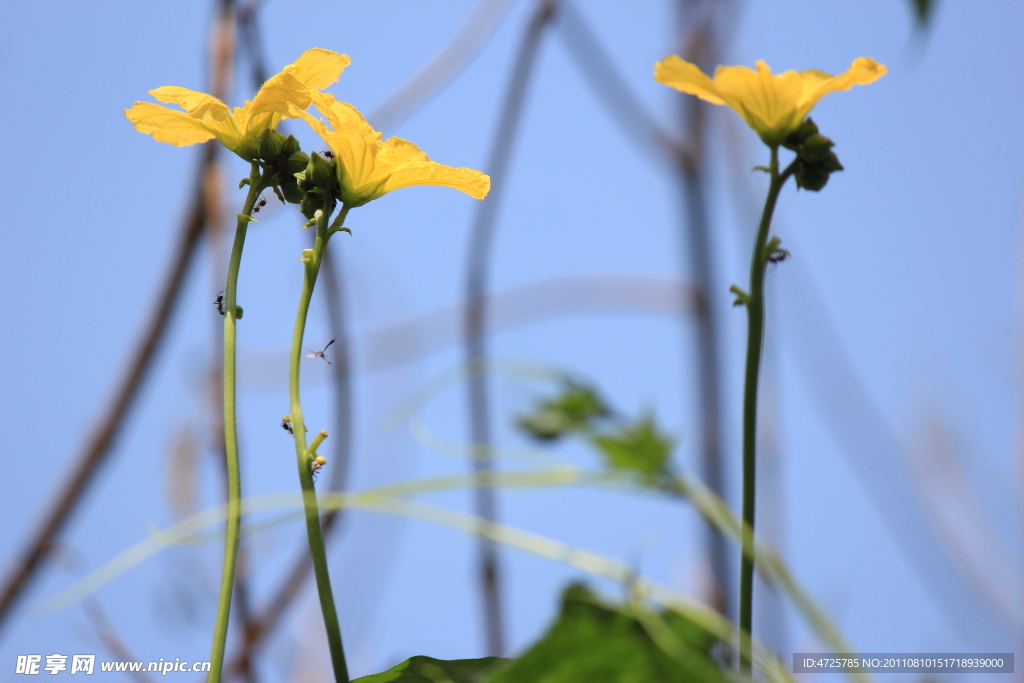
[[595, 643], [572, 410], [638, 448], [422, 669]]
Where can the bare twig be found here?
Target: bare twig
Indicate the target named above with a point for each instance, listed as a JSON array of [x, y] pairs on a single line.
[[476, 287], [443, 66], [698, 47], [111, 640], [601, 74], [99, 446]]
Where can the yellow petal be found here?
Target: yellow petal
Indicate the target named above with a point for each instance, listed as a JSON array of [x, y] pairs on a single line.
[[209, 112], [352, 139], [167, 125], [817, 84], [279, 95], [319, 68], [198, 105], [368, 168], [412, 167], [765, 101], [344, 117], [686, 77]]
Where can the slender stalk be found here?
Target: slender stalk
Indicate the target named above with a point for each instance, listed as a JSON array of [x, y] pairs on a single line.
[[317, 550], [227, 578], [755, 342]]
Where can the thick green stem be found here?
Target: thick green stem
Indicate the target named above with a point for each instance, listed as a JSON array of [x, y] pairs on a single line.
[[755, 341], [317, 551], [227, 579]]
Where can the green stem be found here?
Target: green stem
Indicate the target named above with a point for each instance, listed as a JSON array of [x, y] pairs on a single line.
[[317, 551], [227, 579], [755, 342]]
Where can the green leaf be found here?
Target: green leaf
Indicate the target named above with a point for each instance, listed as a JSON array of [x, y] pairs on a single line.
[[639, 448], [572, 410], [595, 643], [422, 669]]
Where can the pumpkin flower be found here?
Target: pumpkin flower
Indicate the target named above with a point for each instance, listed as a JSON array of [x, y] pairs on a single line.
[[369, 167], [205, 117], [773, 105]]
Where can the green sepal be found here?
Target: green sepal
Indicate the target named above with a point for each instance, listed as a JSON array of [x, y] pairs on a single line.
[[290, 146], [243, 217], [243, 182], [238, 312], [312, 202], [319, 171], [742, 298], [815, 160], [367, 194], [297, 162], [290, 190], [270, 145]]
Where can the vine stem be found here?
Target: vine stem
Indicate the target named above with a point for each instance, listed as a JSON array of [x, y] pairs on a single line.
[[755, 343], [234, 508], [317, 550]]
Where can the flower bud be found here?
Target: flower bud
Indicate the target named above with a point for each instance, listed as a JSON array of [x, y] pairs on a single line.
[[319, 171], [290, 190], [270, 145], [297, 162], [290, 146]]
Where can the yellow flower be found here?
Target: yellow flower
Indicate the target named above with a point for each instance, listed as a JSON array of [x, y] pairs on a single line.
[[206, 117], [774, 106], [369, 167]]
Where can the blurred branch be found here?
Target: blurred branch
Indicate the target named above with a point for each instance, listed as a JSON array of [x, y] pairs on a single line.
[[696, 30], [443, 66], [249, 31], [476, 285], [960, 524], [873, 452], [111, 640], [99, 446], [601, 74], [418, 336]]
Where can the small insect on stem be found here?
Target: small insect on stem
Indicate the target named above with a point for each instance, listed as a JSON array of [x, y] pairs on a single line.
[[260, 203], [314, 467], [329, 154], [315, 354], [777, 257], [219, 302], [286, 424]]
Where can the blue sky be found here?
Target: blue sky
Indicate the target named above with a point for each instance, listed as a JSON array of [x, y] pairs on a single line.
[[911, 255]]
